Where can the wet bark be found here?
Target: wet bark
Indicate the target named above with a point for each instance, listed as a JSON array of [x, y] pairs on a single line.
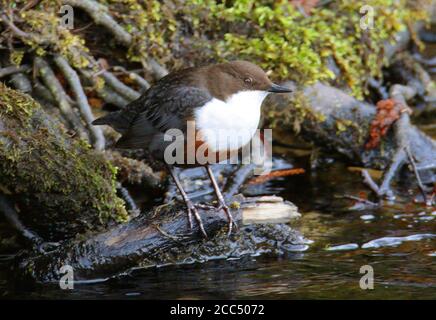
[[162, 236]]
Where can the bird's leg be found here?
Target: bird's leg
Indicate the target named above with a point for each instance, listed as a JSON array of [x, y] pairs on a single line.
[[220, 198], [192, 210]]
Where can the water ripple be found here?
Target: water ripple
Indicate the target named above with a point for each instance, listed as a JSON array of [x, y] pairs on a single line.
[[395, 241]]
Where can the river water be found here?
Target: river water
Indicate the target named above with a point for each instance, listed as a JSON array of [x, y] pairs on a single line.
[[398, 241]]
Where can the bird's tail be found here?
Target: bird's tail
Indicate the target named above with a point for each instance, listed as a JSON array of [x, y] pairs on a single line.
[[112, 119], [107, 119]]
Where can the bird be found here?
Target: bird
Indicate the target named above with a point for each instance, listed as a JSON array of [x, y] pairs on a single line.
[[216, 102]]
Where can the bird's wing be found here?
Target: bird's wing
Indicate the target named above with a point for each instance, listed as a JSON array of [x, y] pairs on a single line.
[[161, 109]]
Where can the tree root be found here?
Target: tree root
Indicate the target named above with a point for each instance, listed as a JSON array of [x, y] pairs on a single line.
[[100, 16], [60, 96], [7, 71], [82, 101]]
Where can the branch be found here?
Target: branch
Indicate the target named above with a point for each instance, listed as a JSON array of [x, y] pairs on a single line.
[[120, 87], [100, 16], [144, 84], [7, 71], [59, 95], [11, 215], [21, 82], [18, 32], [82, 101]]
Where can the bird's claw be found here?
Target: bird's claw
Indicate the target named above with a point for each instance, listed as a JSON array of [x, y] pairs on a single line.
[[231, 221], [232, 224], [192, 211]]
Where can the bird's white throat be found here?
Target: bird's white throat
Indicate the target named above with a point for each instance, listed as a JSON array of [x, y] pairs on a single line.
[[232, 123]]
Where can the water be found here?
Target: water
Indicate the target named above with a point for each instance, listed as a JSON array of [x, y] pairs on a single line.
[[397, 240]]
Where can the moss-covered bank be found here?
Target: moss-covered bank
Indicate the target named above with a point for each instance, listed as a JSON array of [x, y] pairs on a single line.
[[61, 186]]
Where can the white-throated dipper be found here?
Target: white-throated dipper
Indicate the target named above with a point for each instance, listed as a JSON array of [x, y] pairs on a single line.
[[223, 104]]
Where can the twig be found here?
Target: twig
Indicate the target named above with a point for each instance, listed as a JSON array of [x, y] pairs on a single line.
[[13, 69], [13, 27], [365, 201], [59, 95], [106, 93], [112, 97], [396, 164], [29, 5], [428, 62], [400, 94], [377, 85], [42, 92], [119, 86], [21, 82], [369, 182], [100, 16], [418, 177], [82, 101], [158, 70], [135, 77], [111, 82], [125, 195], [12, 216]]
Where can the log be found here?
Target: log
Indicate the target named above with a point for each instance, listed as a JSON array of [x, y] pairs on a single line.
[[162, 236], [60, 185], [335, 121]]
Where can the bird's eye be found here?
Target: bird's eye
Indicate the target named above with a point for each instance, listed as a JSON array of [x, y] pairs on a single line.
[[248, 81]]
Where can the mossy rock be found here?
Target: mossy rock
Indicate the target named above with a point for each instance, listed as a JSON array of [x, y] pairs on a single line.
[[61, 186]]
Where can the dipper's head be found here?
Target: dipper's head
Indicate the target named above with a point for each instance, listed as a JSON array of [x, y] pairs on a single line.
[[227, 79]]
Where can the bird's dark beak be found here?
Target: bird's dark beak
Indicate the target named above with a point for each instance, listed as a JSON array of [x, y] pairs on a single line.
[[275, 88]]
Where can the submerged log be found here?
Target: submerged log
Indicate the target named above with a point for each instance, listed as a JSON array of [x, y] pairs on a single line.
[[60, 186], [162, 236]]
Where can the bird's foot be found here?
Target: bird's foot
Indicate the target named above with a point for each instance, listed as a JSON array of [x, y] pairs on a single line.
[[225, 208], [231, 222], [193, 212]]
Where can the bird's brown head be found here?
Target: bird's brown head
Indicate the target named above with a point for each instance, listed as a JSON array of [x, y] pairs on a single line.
[[228, 78]]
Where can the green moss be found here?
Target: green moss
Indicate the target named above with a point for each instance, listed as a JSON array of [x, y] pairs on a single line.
[[47, 170], [279, 38], [273, 34]]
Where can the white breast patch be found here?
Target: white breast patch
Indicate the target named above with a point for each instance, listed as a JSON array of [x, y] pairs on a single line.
[[231, 124]]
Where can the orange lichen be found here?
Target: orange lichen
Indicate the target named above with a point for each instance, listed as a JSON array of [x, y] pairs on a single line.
[[388, 111]]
